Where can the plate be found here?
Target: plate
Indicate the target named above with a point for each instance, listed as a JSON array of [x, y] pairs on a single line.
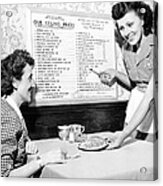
[[94, 143]]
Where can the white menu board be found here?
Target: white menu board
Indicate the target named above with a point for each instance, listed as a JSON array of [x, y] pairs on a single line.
[[65, 47]]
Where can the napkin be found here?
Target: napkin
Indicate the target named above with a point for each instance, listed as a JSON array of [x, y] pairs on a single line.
[[69, 150]]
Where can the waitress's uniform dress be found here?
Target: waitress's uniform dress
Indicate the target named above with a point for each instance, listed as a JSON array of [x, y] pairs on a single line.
[[140, 67]]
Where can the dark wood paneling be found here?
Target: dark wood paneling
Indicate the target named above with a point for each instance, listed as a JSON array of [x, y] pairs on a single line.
[[42, 122]]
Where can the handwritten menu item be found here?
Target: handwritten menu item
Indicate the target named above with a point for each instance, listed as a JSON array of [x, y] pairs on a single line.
[[65, 47]]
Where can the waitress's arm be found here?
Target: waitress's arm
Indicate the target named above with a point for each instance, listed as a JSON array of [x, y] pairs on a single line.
[[109, 76], [141, 111], [123, 80]]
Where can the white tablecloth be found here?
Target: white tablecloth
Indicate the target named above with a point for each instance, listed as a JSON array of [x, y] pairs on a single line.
[[134, 161]]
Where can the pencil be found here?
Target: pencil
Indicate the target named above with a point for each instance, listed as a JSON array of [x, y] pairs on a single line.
[[94, 71]]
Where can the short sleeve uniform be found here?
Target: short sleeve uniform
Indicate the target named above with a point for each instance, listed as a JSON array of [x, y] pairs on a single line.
[[140, 67]]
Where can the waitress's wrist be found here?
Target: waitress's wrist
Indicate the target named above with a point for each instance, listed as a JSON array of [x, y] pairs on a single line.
[[126, 130]]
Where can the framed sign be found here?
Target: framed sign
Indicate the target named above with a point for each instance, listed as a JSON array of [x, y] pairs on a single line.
[[68, 47]]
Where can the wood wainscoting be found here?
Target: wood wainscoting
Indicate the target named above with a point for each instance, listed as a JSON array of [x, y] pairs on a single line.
[[42, 122]]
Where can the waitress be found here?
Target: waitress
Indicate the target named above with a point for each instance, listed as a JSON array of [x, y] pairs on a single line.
[[134, 23]]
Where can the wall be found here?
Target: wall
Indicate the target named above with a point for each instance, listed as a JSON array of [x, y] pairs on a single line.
[[13, 24], [42, 121]]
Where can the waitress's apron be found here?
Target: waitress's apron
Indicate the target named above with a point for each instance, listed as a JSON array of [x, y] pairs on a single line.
[[147, 124]]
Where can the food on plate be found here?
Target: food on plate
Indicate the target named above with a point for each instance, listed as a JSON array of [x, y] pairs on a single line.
[[93, 143]]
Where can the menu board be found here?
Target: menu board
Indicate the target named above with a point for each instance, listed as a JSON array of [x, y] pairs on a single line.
[[65, 47]]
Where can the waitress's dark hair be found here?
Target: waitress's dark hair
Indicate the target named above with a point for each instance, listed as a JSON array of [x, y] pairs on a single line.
[[143, 10], [12, 67]]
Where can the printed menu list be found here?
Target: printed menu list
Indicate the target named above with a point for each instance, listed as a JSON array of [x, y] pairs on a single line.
[[65, 48]]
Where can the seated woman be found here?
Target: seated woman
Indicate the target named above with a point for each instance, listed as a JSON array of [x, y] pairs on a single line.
[[16, 86]]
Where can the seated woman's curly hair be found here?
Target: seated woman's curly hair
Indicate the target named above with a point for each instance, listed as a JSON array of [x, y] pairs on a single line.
[[12, 67], [142, 10]]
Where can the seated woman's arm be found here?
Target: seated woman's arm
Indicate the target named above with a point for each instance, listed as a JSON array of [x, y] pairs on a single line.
[[27, 170]]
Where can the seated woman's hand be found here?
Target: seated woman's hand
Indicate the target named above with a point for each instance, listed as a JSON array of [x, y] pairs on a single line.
[[31, 148], [108, 77]]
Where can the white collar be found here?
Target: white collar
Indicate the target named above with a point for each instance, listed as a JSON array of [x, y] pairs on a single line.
[[12, 103]]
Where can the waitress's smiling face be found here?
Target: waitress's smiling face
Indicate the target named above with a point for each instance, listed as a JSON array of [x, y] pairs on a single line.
[[130, 27]]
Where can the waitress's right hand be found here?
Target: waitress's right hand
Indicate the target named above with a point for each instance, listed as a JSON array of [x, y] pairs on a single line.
[[108, 77]]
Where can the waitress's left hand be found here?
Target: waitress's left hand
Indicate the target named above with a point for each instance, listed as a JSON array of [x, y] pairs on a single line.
[[31, 148], [115, 140]]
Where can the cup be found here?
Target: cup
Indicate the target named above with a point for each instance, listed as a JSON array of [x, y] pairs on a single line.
[[77, 130], [63, 132]]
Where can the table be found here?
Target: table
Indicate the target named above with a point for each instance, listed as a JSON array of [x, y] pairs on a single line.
[[135, 160]]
